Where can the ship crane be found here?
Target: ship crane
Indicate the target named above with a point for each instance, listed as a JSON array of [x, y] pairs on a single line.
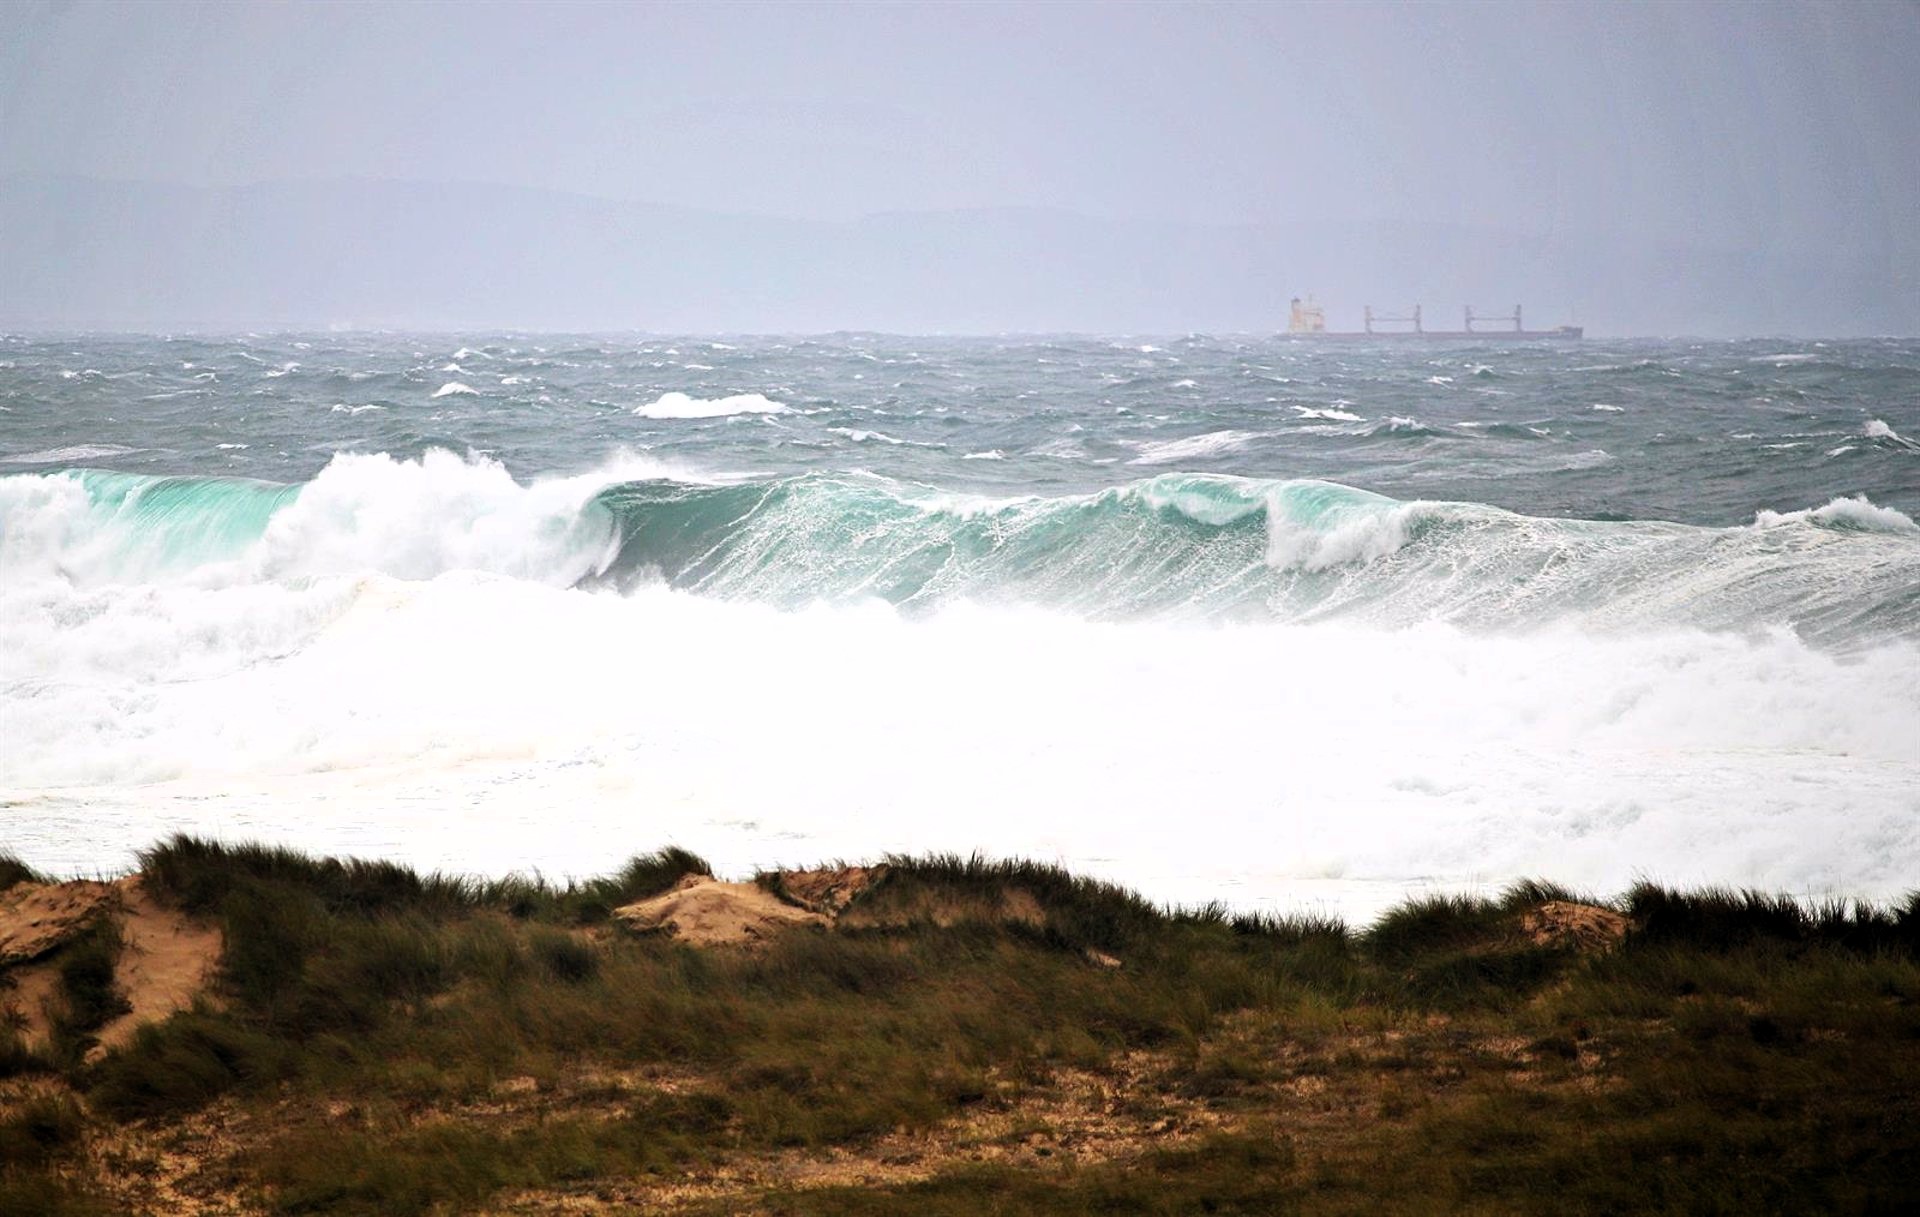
[[1308, 319], [1513, 317]]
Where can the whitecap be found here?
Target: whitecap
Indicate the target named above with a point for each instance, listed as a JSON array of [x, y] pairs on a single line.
[[680, 405], [1330, 414], [1213, 443], [1854, 514], [1878, 429], [71, 453], [860, 437], [453, 387]]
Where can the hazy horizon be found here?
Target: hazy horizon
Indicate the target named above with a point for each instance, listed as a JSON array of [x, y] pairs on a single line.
[[1709, 169]]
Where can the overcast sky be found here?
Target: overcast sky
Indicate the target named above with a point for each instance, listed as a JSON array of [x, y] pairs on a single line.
[[1655, 167], [1724, 122]]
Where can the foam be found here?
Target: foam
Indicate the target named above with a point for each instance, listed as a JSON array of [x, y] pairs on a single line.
[[1878, 429], [1193, 447], [680, 405], [1332, 415], [1354, 531], [1857, 514], [859, 436], [72, 454], [1257, 762], [454, 388]]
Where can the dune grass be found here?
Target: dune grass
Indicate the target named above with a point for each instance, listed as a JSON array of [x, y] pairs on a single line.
[[13, 870], [1736, 1052]]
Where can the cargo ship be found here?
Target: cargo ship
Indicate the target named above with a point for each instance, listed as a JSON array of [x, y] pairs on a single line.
[[1309, 320]]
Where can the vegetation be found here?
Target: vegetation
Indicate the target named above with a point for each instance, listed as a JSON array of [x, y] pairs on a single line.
[[13, 870], [979, 1036]]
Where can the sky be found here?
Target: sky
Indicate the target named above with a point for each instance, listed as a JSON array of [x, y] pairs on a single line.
[[1772, 127]]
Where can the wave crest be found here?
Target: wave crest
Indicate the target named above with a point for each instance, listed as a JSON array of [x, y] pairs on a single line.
[[1856, 513], [1177, 544], [681, 405]]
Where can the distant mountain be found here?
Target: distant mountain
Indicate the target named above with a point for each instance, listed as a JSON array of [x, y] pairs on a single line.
[[86, 254]]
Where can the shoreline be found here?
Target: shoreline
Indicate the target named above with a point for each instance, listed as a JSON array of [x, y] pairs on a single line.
[[240, 1028]]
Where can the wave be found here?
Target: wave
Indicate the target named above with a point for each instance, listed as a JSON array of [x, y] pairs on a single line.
[[1172, 545], [71, 454], [1877, 429], [502, 714], [1851, 514], [680, 405], [363, 514], [1190, 448]]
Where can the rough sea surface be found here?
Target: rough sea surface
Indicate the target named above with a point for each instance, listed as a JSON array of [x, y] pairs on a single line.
[[1263, 620]]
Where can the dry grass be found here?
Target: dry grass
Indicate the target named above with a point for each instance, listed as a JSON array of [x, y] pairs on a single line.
[[978, 1036]]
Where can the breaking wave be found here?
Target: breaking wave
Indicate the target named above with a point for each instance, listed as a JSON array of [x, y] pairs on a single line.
[[1174, 545], [680, 405]]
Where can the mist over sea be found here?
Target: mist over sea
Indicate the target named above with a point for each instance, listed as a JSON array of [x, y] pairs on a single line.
[[1270, 621]]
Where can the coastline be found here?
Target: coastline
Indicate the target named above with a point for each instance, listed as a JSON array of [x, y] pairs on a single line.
[[935, 1034]]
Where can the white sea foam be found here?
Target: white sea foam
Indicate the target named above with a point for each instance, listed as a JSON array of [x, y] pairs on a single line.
[[454, 388], [72, 454], [859, 436], [991, 454], [1357, 535], [1606, 409], [1193, 447], [680, 405], [1878, 429], [1857, 514], [1328, 413], [1269, 763]]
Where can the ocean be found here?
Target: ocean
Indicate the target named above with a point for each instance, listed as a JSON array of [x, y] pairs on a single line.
[[1279, 623]]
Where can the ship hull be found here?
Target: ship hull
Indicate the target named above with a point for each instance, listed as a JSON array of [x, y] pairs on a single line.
[[1565, 333]]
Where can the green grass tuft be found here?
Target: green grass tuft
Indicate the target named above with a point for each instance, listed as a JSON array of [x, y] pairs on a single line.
[[14, 871], [1721, 919], [89, 994]]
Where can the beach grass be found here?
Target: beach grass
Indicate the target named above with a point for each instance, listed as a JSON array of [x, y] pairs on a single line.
[[977, 1035]]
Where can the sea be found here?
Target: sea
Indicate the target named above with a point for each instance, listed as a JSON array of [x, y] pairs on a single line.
[[1279, 623]]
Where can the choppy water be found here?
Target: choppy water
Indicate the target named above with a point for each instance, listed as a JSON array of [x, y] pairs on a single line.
[[1258, 619]]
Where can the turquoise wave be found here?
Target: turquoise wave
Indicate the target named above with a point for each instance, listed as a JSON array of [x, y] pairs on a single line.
[[1177, 544]]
